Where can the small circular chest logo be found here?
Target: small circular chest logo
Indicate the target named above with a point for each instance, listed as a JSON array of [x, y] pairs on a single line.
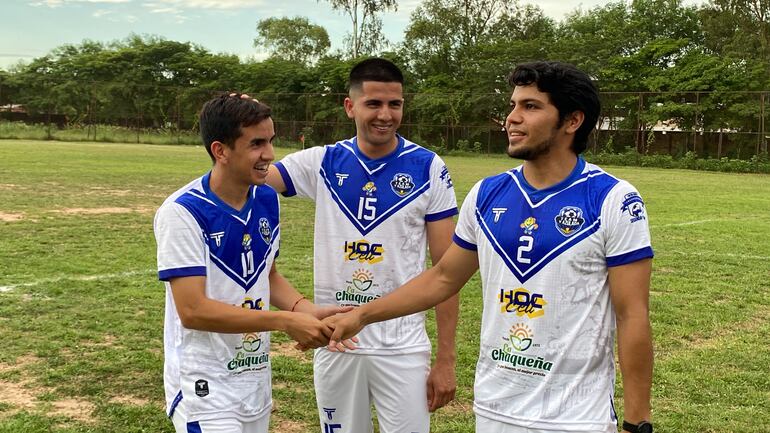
[[402, 184], [569, 220]]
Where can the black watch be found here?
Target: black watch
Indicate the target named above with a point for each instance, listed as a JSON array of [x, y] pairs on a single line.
[[642, 427]]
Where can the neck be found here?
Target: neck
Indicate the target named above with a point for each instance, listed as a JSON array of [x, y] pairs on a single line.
[[230, 192], [550, 169], [376, 152]]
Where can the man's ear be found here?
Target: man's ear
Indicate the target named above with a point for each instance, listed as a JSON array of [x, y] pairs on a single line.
[[574, 121], [219, 150], [349, 107]]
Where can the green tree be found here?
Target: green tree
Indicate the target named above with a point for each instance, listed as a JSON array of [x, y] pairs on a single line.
[[366, 36], [295, 39]]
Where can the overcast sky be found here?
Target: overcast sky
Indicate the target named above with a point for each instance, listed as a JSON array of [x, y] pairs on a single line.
[[31, 28]]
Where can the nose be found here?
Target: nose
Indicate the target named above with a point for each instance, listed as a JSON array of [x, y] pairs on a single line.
[[513, 118], [384, 113], [269, 153]]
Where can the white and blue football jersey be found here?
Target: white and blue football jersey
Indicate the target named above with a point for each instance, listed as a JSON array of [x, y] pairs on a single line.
[[370, 233], [208, 374], [547, 332]]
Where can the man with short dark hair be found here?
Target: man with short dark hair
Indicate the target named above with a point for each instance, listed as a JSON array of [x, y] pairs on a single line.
[[379, 200], [565, 258], [218, 237]]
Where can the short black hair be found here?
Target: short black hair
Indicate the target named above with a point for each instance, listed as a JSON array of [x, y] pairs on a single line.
[[374, 69], [569, 89], [222, 117]]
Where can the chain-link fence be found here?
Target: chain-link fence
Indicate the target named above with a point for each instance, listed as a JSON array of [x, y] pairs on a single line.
[[710, 124]]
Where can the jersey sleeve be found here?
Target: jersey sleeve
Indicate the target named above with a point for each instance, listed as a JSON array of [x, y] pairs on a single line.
[[299, 171], [628, 234], [443, 203], [181, 246], [467, 226]]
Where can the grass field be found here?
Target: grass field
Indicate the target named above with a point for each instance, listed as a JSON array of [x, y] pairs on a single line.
[[81, 310]]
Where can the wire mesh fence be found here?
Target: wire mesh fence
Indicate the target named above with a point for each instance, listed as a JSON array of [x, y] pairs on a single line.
[[710, 124]]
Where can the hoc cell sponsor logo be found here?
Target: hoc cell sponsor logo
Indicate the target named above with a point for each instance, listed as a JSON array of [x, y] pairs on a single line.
[[634, 206], [521, 302], [360, 289], [510, 355], [250, 355], [569, 220], [253, 304], [402, 184], [264, 230], [363, 251]]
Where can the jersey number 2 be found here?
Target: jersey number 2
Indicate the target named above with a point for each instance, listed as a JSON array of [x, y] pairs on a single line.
[[525, 247]]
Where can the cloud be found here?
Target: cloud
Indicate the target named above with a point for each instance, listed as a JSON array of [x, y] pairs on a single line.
[[100, 13], [57, 3], [210, 4]]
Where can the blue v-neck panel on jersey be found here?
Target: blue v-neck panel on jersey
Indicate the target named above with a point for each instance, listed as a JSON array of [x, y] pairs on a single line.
[[552, 220], [368, 192], [240, 243]]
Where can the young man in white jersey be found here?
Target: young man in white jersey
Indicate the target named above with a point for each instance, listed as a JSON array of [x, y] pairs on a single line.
[[565, 259], [379, 200], [218, 237]]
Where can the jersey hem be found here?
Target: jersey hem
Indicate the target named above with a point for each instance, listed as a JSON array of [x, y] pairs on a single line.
[[576, 426], [214, 414], [386, 352]]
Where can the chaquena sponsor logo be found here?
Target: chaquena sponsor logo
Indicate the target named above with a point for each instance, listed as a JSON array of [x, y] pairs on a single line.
[[249, 356], [519, 339], [357, 291], [514, 359]]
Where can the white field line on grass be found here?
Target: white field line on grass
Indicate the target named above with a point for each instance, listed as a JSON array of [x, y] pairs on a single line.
[[730, 255], [5, 289], [686, 223]]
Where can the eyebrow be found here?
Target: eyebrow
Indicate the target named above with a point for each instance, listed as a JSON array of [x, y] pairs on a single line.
[[263, 140], [524, 101]]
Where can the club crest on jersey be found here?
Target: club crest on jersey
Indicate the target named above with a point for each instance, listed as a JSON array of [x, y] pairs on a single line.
[[633, 204], [570, 220], [264, 230], [529, 225], [370, 188], [402, 184]]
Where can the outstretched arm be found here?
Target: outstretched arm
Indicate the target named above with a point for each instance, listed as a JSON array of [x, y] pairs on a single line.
[[197, 311], [441, 380], [422, 292], [630, 291]]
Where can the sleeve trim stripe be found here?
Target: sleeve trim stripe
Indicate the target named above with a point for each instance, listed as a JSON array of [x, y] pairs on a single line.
[[441, 215], [630, 257], [193, 271], [463, 243], [290, 190]]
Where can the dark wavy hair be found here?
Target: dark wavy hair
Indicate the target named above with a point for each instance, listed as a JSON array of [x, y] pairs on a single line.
[[223, 117], [569, 89]]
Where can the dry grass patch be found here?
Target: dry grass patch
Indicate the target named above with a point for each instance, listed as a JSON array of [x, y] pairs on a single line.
[[79, 410], [104, 210], [129, 400], [288, 350], [11, 217], [288, 426]]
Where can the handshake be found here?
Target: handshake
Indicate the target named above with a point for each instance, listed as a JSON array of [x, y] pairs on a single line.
[[313, 326]]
